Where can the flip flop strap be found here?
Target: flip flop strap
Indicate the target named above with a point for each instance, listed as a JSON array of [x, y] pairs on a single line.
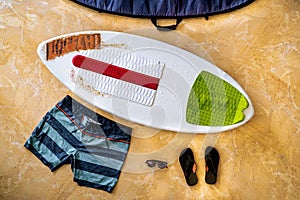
[[209, 164]]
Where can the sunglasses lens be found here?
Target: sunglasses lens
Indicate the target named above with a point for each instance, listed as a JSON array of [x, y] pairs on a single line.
[[150, 163], [161, 165]]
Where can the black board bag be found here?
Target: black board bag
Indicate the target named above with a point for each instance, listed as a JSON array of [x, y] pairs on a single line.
[[158, 9]]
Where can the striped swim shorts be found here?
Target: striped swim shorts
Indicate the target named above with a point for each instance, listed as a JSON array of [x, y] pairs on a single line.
[[95, 146]]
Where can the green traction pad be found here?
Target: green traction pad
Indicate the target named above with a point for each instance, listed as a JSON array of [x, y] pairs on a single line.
[[214, 102]]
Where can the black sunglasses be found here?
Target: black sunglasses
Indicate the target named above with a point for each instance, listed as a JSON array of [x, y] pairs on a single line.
[[160, 164]]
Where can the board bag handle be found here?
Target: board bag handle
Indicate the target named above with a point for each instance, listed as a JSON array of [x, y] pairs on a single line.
[[166, 28]]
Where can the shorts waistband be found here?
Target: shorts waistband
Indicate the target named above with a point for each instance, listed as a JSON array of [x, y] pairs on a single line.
[[77, 113]]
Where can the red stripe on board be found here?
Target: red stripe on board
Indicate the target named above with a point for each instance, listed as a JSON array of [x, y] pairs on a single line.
[[115, 72]]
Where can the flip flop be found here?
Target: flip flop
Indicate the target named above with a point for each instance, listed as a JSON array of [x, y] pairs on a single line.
[[211, 164], [188, 166]]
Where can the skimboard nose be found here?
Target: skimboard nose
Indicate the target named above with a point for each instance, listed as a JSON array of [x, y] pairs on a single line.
[[214, 102]]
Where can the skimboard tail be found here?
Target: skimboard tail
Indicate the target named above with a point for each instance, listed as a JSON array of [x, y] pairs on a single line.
[[214, 102]]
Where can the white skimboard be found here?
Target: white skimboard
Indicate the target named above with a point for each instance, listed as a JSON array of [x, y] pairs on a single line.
[[147, 81]]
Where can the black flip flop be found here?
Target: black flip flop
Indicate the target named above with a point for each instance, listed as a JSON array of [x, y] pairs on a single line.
[[211, 164], [188, 166]]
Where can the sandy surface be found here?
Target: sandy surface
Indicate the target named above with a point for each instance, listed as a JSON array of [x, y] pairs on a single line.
[[257, 45]]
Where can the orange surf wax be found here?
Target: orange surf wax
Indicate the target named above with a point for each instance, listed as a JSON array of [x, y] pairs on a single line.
[[61, 46]]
